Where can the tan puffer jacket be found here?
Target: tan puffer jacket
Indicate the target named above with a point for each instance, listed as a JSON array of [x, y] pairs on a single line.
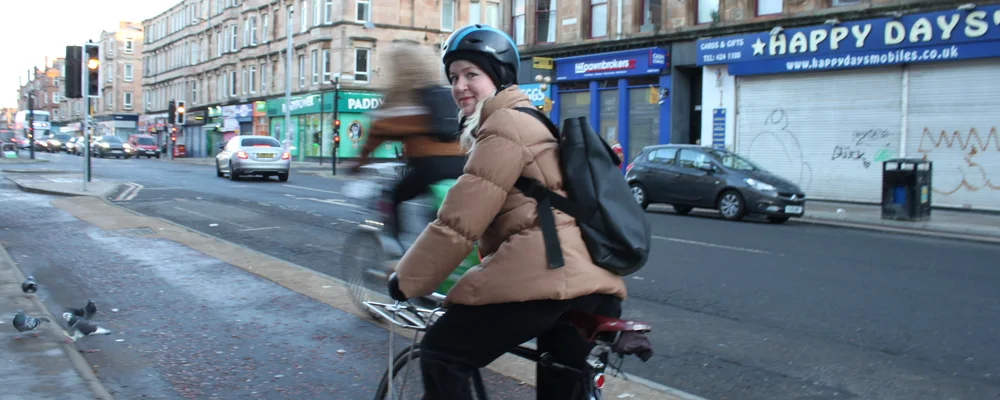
[[483, 205]]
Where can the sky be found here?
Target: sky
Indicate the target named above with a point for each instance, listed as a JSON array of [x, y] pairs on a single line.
[[38, 28]]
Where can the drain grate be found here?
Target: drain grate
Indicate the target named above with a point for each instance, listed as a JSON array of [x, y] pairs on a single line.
[[128, 232]]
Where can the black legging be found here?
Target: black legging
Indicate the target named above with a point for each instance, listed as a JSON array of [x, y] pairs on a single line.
[[420, 175]]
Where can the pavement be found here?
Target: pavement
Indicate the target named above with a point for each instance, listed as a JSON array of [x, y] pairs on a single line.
[[192, 315]]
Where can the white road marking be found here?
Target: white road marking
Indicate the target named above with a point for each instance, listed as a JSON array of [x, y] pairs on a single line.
[[165, 188], [211, 217], [315, 190], [130, 193], [260, 229], [718, 246]]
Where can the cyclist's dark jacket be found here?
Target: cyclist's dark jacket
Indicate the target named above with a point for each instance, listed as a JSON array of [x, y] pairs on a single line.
[[484, 206]]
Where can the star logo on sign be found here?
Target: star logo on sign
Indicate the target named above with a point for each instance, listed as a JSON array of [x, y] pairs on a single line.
[[758, 47]]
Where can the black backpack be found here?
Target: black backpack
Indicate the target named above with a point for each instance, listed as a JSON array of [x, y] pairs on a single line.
[[443, 113], [614, 226]]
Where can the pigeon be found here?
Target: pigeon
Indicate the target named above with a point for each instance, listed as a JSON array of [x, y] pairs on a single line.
[[24, 323], [29, 285], [86, 312], [81, 327]]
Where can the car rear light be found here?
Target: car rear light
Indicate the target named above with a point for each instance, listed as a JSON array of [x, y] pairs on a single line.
[[599, 381], [286, 155], [242, 155]]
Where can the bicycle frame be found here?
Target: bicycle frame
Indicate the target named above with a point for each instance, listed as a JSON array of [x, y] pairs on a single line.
[[420, 319]]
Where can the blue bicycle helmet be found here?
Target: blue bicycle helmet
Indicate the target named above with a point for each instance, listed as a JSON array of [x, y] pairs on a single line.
[[481, 42]]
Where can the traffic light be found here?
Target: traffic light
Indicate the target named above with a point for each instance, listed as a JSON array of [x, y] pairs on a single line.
[[171, 112], [336, 125], [92, 58], [179, 111], [336, 139], [73, 71], [173, 134]]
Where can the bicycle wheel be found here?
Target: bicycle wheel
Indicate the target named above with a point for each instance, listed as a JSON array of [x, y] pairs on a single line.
[[405, 371], [362, 268]]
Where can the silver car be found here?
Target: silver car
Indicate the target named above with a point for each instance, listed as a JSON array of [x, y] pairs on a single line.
[[253, 155]]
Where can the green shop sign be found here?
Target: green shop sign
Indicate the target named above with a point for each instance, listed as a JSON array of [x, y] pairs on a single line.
[[215, 111], [356, 102]]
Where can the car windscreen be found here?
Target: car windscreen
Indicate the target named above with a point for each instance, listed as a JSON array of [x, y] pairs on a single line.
[[112, 139], [146, 141], [63, 138], [260, 142]]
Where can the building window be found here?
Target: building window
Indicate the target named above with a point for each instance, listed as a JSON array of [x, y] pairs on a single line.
[[127, 100], [361, 65], [128, 72], [545, 21], [232, 83], [232, 38], [328, 12], [253, 31], [304, 20], [326, 66], [517, 23], [110, 73], [314, 60], [651, 11], [265, 23], [475, 13], [246, 32], [55, 97], [599, 18], [219, 45], [364, 12], [708, 10], [302, 71], [246, 75], [769, 7], [493, 14], [837, 3], [253, 79], [263, 78], [194, 92], [128, 46], [109, 100], [447, 15], [317, 13]]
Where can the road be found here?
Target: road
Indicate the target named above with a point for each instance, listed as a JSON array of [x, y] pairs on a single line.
[[740, 310]]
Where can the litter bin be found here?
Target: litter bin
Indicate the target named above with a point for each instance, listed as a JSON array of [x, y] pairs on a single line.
[[906, 189]]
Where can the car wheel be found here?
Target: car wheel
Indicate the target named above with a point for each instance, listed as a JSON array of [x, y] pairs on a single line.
[[283, 177], [639, 194], [233, 176], [218, 169], [682, 210], [777, 220], [731, 205]]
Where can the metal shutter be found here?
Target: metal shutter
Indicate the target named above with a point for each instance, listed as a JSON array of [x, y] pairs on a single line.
[[827, 131], [953, 119]]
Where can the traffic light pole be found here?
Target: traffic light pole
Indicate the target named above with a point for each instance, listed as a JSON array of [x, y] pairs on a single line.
[[85, 92], [31, 123], [336, 126]]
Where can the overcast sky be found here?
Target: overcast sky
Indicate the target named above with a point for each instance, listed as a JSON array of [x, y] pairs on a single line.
[[38, 28]]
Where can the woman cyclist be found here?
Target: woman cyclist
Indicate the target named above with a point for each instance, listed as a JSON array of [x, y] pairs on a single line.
[[512, 296]]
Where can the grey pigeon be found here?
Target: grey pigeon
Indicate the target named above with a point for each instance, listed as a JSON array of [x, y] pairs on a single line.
[[86, 312], [29, 285], [24, 323], [81, 327]]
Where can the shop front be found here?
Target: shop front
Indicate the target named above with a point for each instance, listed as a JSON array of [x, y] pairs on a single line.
[[824, 105], [120, 125], [541, 99], [623, 95], [213, 129], [311, 124], [260, 126], [194, 138]]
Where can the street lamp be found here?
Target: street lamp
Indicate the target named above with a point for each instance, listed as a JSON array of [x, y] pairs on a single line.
[[288, 79], [544, 82]]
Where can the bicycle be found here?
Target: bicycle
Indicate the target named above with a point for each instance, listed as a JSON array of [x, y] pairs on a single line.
[[367, 251], [609, 335]]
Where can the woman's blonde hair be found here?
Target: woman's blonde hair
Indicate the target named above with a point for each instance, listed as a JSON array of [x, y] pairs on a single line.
[[471, 124]]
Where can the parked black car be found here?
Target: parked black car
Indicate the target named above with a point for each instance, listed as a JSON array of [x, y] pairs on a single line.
[[690, 176]]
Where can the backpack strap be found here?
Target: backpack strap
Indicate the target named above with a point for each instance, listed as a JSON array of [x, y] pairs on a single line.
[[546, 220], [541, 117]]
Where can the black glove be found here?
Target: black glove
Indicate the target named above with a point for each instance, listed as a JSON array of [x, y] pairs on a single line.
[[394, 291]]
